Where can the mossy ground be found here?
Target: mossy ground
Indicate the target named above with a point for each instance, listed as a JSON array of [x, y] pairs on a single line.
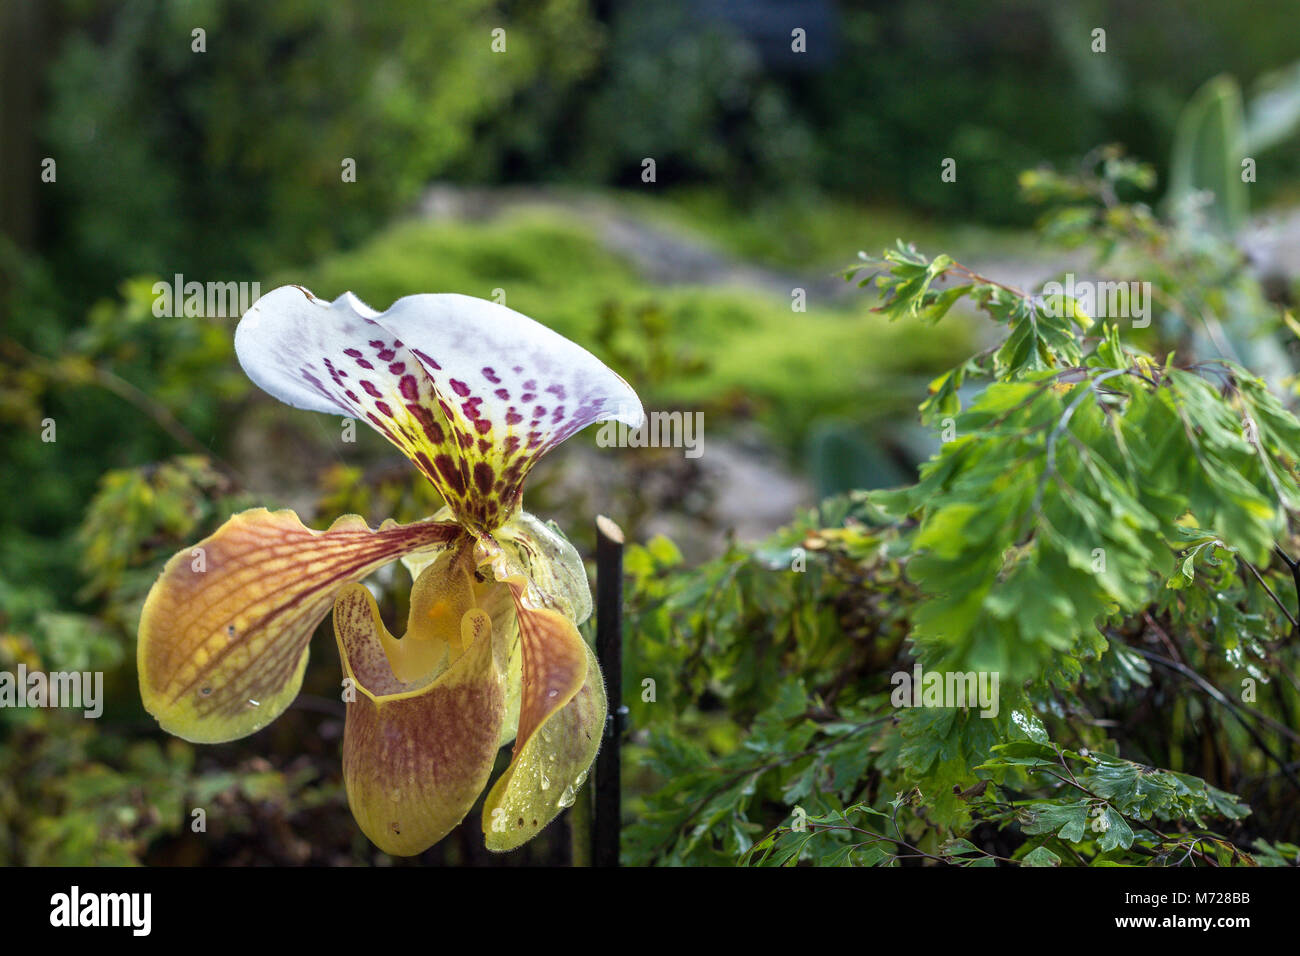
[[733, 351]]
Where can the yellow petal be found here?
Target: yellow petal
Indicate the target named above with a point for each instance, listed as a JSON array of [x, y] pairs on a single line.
[[416, 755], [225, 628], [561, 722]]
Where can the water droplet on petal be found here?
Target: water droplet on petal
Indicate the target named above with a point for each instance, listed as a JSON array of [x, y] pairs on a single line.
[[582, 778], [567, 798], [546, 782]]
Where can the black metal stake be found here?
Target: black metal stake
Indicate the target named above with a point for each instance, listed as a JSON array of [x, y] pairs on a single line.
[[609, 649]]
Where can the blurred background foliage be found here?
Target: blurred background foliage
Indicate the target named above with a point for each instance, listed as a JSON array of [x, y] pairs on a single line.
[[522, 171]]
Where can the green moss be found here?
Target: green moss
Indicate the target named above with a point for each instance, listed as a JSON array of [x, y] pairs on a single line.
[[810, 231], [731, 351]]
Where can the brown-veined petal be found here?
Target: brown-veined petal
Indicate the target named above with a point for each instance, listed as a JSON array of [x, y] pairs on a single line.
[[561, 715], [550, 763], [562, 709], [224, 631], [473, 392], [417, 754], [529, 550]]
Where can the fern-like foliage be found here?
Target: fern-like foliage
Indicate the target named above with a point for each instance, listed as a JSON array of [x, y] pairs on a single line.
[[1105, 527]]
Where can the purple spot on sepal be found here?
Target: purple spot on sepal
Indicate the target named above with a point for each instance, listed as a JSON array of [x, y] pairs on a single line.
[[409, 388], [459, 387], [503, 394], [447, 468], [425, 418], [366, 365], [382, 426], [371, 390], [426, 359], [355, 353], [397, 368], [315, 383], [491, 376], [556, 390]]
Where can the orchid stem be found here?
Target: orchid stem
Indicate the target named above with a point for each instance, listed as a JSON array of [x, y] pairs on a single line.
[[581, 827], [609, 651]]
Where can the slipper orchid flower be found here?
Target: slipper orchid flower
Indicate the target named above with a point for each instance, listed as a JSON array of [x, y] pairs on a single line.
[[473, 393]]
